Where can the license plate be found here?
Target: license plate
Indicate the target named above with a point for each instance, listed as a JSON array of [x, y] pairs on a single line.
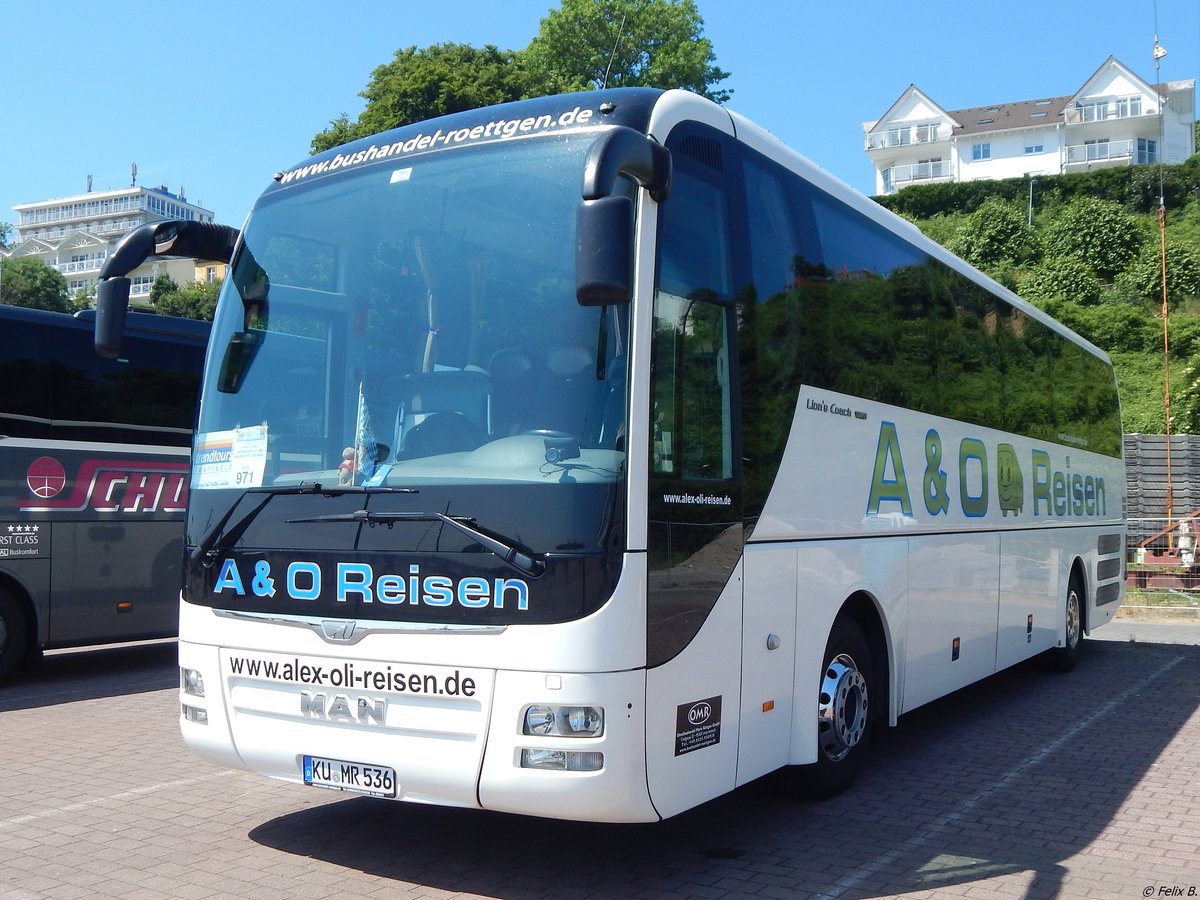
[[358, 778]]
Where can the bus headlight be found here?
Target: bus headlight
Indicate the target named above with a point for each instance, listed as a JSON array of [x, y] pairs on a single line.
[[192, 682], [564, 721], [562, 760], [195, 714], [539, 720]]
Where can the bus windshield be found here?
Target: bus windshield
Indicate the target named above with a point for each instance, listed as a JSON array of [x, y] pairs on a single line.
[[406, 336]]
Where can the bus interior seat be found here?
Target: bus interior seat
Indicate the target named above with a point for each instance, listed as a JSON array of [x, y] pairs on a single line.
[[512, 375], [571, 393], [443, 411]]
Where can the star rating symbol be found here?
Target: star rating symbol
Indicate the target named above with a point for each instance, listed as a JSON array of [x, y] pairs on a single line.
[[24, 529]]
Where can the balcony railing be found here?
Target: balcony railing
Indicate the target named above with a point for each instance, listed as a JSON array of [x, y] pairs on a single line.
[[906, 136], [1107, 151], [85, 210], [82, 265], [1130, 107], [897, 177]]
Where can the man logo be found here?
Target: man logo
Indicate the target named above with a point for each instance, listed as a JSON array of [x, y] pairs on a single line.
[[700, 713], [338, 629]]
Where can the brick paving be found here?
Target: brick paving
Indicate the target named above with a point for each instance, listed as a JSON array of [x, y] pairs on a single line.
[[1031, 784]]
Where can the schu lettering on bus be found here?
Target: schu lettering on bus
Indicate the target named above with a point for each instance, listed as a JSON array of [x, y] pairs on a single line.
[[127, 486]]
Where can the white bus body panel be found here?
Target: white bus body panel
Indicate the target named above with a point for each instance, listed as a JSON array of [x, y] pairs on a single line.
[[769, 652], [1033, 591], [939, 573], [268, 720], [616, 793], [682, 771], [829, 572]]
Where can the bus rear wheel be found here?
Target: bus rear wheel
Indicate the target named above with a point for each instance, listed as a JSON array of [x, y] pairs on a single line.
[[1064, 658], [14, 634], [843, 714]]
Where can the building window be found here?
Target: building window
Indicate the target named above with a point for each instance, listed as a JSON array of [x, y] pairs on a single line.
[[1035, 148], [1093, 110], [1097, 149], [1129, 106], [1147, 151], [928, 168], [210, 274], [981, 151]]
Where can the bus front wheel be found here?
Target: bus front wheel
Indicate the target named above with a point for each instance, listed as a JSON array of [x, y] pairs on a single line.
[[14, 634], [843, 713]]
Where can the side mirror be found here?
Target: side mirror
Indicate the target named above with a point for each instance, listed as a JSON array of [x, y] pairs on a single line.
[[202, 240], [112, 302], [604, 251], [604, 222]]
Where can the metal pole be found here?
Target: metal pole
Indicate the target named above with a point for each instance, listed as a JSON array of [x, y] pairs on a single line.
[[1159, 53]]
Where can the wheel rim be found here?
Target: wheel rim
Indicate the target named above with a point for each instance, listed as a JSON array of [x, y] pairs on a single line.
[[842, 709], [1073, 620]]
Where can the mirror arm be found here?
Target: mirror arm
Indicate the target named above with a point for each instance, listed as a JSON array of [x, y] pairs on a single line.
[[622, 150], [198, 240]]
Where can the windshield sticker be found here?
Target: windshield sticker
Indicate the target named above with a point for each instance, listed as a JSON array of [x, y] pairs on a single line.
[[499, 130], [230, 459]]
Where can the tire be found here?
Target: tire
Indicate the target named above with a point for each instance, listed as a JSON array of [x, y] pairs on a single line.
[[1063, 658], [14, 634], [844, 714]]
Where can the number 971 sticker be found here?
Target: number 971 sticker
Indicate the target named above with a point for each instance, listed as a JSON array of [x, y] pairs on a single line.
[[357, 778]]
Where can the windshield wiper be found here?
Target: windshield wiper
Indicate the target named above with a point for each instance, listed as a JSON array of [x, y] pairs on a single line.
[[505, 548], [217, 538]]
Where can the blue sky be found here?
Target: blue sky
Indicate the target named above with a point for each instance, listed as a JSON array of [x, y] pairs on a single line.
[[218, 103]]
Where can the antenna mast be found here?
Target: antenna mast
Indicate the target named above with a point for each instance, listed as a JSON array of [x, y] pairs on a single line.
[[611, 56]]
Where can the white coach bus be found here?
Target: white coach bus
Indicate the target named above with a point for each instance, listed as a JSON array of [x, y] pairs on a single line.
[[591, 456]]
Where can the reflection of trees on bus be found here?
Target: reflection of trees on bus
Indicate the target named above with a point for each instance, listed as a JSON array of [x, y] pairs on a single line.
[[922, 337]]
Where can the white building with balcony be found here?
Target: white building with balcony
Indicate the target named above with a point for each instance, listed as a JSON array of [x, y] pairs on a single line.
[[1114, 119], [76, 234]]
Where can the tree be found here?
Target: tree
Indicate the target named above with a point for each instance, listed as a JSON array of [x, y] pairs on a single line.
[[83, 298], [996, 232], [27, 281], [1098, 232], [195, 300], [423, 83], [1060, 278], [1143, 277], [586, 44], [579, 47], [162, 286], [5, 235]]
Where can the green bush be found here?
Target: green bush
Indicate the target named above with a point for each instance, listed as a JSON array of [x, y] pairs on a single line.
[[1099, 233]]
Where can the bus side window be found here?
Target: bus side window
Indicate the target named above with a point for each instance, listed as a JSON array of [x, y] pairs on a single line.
[[693, 429]]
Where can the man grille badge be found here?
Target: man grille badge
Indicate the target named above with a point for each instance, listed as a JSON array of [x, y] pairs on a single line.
[[338, 629]]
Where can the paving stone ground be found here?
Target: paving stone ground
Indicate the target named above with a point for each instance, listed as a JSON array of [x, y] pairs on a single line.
[[1030, 784]]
